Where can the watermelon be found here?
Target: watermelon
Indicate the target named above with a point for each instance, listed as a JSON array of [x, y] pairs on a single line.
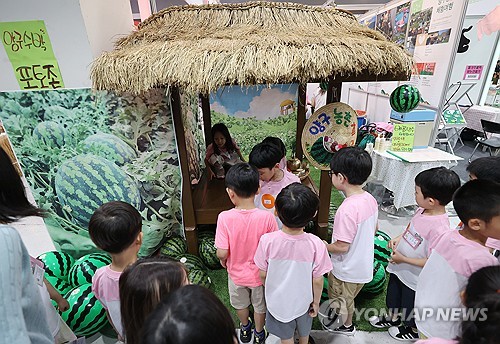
[[85, 182], [63, 287], [191, 261], [173, 247], [50, 133], [319, 153], [200, 277], [404, 98], [57, 264], [205, 235], [324, 293], [208, 253], [110, 147], [85, 267], [377, 284], [85, 315], [382, 250]]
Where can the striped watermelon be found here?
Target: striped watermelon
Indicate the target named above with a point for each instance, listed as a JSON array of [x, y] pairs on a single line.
[[208, 253], [50, 133], [324, 293], [110, 147], [63, 287], [382, 250], [191, 261], [173, 247], [200, 277], [206, 235], [319, 153], [85, 267], [377, 284], [85, 315], [85, 182], [404, 98], [57, 264]]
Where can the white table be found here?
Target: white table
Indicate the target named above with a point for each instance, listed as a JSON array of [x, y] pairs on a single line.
[[399, 176]]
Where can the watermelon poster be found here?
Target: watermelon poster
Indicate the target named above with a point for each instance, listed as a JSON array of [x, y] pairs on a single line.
[[253, 113], [77, 139]]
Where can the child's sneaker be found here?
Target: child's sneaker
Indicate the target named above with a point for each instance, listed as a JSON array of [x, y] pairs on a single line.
[[384, 321], [246, 332], [403, 333], [260, 337], [348, 331]]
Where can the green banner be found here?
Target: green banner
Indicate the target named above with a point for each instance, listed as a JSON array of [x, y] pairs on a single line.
[[29, 50]]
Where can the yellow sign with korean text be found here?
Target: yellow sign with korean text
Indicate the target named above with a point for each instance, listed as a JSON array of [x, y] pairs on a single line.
[[30, 52], [403, 137]]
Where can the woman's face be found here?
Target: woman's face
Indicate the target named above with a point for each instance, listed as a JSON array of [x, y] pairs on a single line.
[[219, 139]]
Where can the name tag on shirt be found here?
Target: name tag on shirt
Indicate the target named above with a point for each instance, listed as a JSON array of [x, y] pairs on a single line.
[[414, 240], [38, 269]]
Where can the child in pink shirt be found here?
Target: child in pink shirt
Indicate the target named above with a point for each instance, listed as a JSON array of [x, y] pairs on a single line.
[[266, 157], [292, 264], [353, 236], [456, 255], [237, 236], [115, 227]]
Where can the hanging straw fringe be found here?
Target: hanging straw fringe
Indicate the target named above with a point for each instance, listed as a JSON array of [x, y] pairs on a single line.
[[201, 48]]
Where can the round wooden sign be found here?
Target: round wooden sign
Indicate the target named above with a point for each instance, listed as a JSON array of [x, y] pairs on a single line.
[[330, 128]]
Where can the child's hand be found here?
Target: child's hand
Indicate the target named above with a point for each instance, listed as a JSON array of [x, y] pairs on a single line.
[[62, 304], [394, 243], [223, 263], [313, 309], [397, 257]]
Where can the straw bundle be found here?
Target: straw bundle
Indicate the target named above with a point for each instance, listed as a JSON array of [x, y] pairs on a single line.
[[201, 48]]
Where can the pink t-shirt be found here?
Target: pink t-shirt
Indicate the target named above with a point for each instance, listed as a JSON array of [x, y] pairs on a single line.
[[415, 242], [493, 243], [239, 231], [105, 288], [452, 261], [270, 190], [291, 262], [355, 223]]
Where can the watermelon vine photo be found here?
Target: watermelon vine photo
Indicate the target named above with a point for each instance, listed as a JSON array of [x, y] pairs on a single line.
[[80, 149]]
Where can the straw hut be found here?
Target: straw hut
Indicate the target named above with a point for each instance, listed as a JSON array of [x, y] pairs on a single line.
[[198, 49]]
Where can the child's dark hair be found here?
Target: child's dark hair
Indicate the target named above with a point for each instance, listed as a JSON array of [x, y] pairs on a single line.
[[243, 179], [439, 183], [353, 163], [296, 205], [482, 295], [277, 142], [189, 315], [221, 128], [142, 286], [114, 226], [486, 168], [13, 201], [265, 155], [477, 199]]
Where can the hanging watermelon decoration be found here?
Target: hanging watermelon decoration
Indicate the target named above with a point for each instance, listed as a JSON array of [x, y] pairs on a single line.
[[404, 98]]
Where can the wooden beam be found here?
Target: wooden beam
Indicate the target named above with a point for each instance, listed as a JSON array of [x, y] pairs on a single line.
[[188, 217], [301, 120], [207, 119]]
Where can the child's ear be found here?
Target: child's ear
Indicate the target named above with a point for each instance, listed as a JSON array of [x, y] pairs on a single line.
[[463, 297], [258, 191], [277, 165], [475, 224], [230, 193], [138, 240], [432, 201]]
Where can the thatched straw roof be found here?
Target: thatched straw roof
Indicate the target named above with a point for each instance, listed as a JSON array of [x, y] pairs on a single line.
[[201, 48]]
